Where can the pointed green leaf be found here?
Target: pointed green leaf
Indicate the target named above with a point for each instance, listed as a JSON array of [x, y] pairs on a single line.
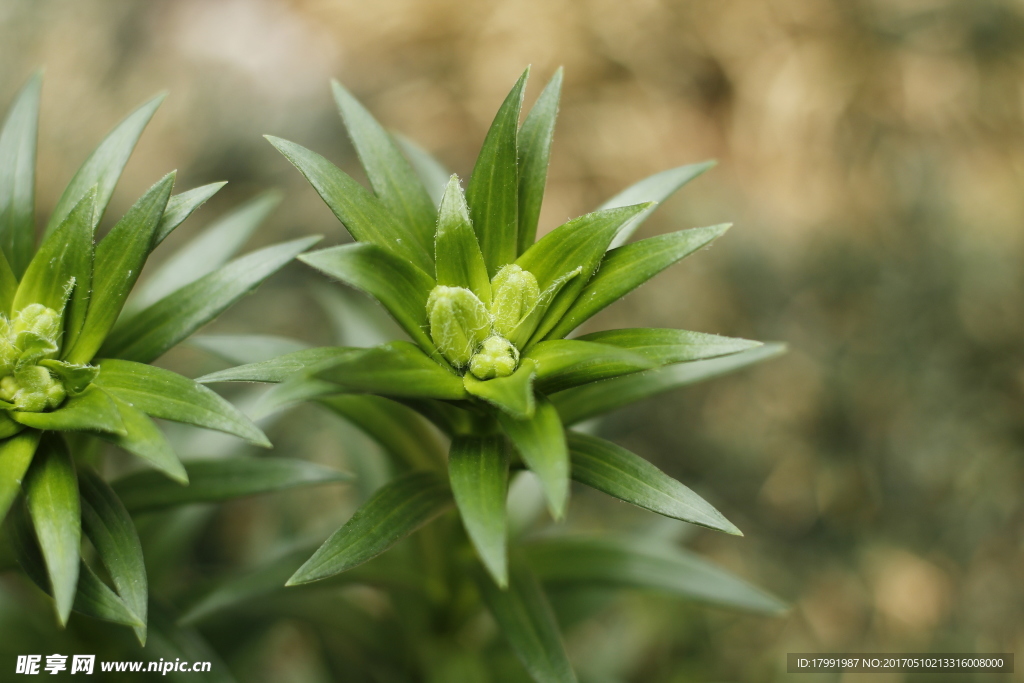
[[147, 335], [430, 171], [395, 511], [8, 286], [207, 252], [279, 369], [167, 395], [458, 259], [525, 617], [581, 403], [609, 468], [656, 188], [540, 441], [493, 191], [183, 205], [478, 471], [18, 176], [212, 481], [244, 349], [398, 429], [626, 268], [664, 346], [534, 152], [365, 217], [398, 285], [565, 363], [15, 456], [92, 410], [107, 524], [392, 178], [643, 563], [120, 257], [395, 369], [143, 438], [513, 395], [103, 167], [51, 493]]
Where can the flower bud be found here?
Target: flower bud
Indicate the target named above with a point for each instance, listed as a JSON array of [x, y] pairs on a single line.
[[514, 293], [33, 389], [459, 323], [496, 358], [35, 331]]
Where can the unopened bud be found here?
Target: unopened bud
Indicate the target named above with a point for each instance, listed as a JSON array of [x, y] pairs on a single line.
[[514, 293], [459, 323], [496, 358]]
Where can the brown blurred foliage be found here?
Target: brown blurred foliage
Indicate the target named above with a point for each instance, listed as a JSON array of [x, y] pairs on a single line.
[[872, 157]]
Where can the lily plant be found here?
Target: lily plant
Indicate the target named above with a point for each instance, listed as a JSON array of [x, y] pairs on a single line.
[[487, 310]]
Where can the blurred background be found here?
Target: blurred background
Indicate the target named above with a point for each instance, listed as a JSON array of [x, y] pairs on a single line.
[[871, 156]]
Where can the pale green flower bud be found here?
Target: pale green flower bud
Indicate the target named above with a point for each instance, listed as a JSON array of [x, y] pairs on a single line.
[[33, 389], [496, 358], [459, 323], [35, 330], [514, 293]]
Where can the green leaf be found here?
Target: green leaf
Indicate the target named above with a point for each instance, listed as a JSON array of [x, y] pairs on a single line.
[[120, 257], [398, 285], [582, 403], [167, 395], [664, 346], [395, 511], [642, 563], [287, 394], [478, 471], [534, 152], [181, 206], [540, 441], [207, 252], [513, 395], [609, 468], [395, 369], [92, 410], [107, 524], [8, 286], [430, 171], [565, 363], [392, 178], [147, 335], [398, 429], [365, 217], [278, 369], [18, 176], [525, 617], [212, 481], [457, 256], [143, 438], [103, 167], [242, 349], [15, 456], [76, 378], [51, 493], [493, 188], [656, 188], [626, 268]]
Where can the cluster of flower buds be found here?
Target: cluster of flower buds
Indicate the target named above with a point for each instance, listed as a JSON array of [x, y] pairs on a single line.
[[26, 342]]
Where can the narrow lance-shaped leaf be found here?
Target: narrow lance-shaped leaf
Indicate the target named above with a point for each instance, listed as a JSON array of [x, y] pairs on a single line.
[[362, 214], [242, 349], [279, 369], [212, 481], [120, 257], [663, 346], [582, 403], [183, 205], [92, 410], [513, 395], [540, 441], [144, 438], [626, 268], [167, 395], [147, 335], [107, 524], [458, 259], [392, 178], [430, 171], [8, 286], [104, 166], [395, 511], [395, 369], [609, 468], [656, 188], [51, 493], [565, 363], [534, 151], [398, 285], [210, 250], [18, 176], [15, 456], [478, 471], [493, 191]]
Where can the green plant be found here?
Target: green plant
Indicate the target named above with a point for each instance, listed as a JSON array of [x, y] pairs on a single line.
[[75, 372], [487, 310]]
